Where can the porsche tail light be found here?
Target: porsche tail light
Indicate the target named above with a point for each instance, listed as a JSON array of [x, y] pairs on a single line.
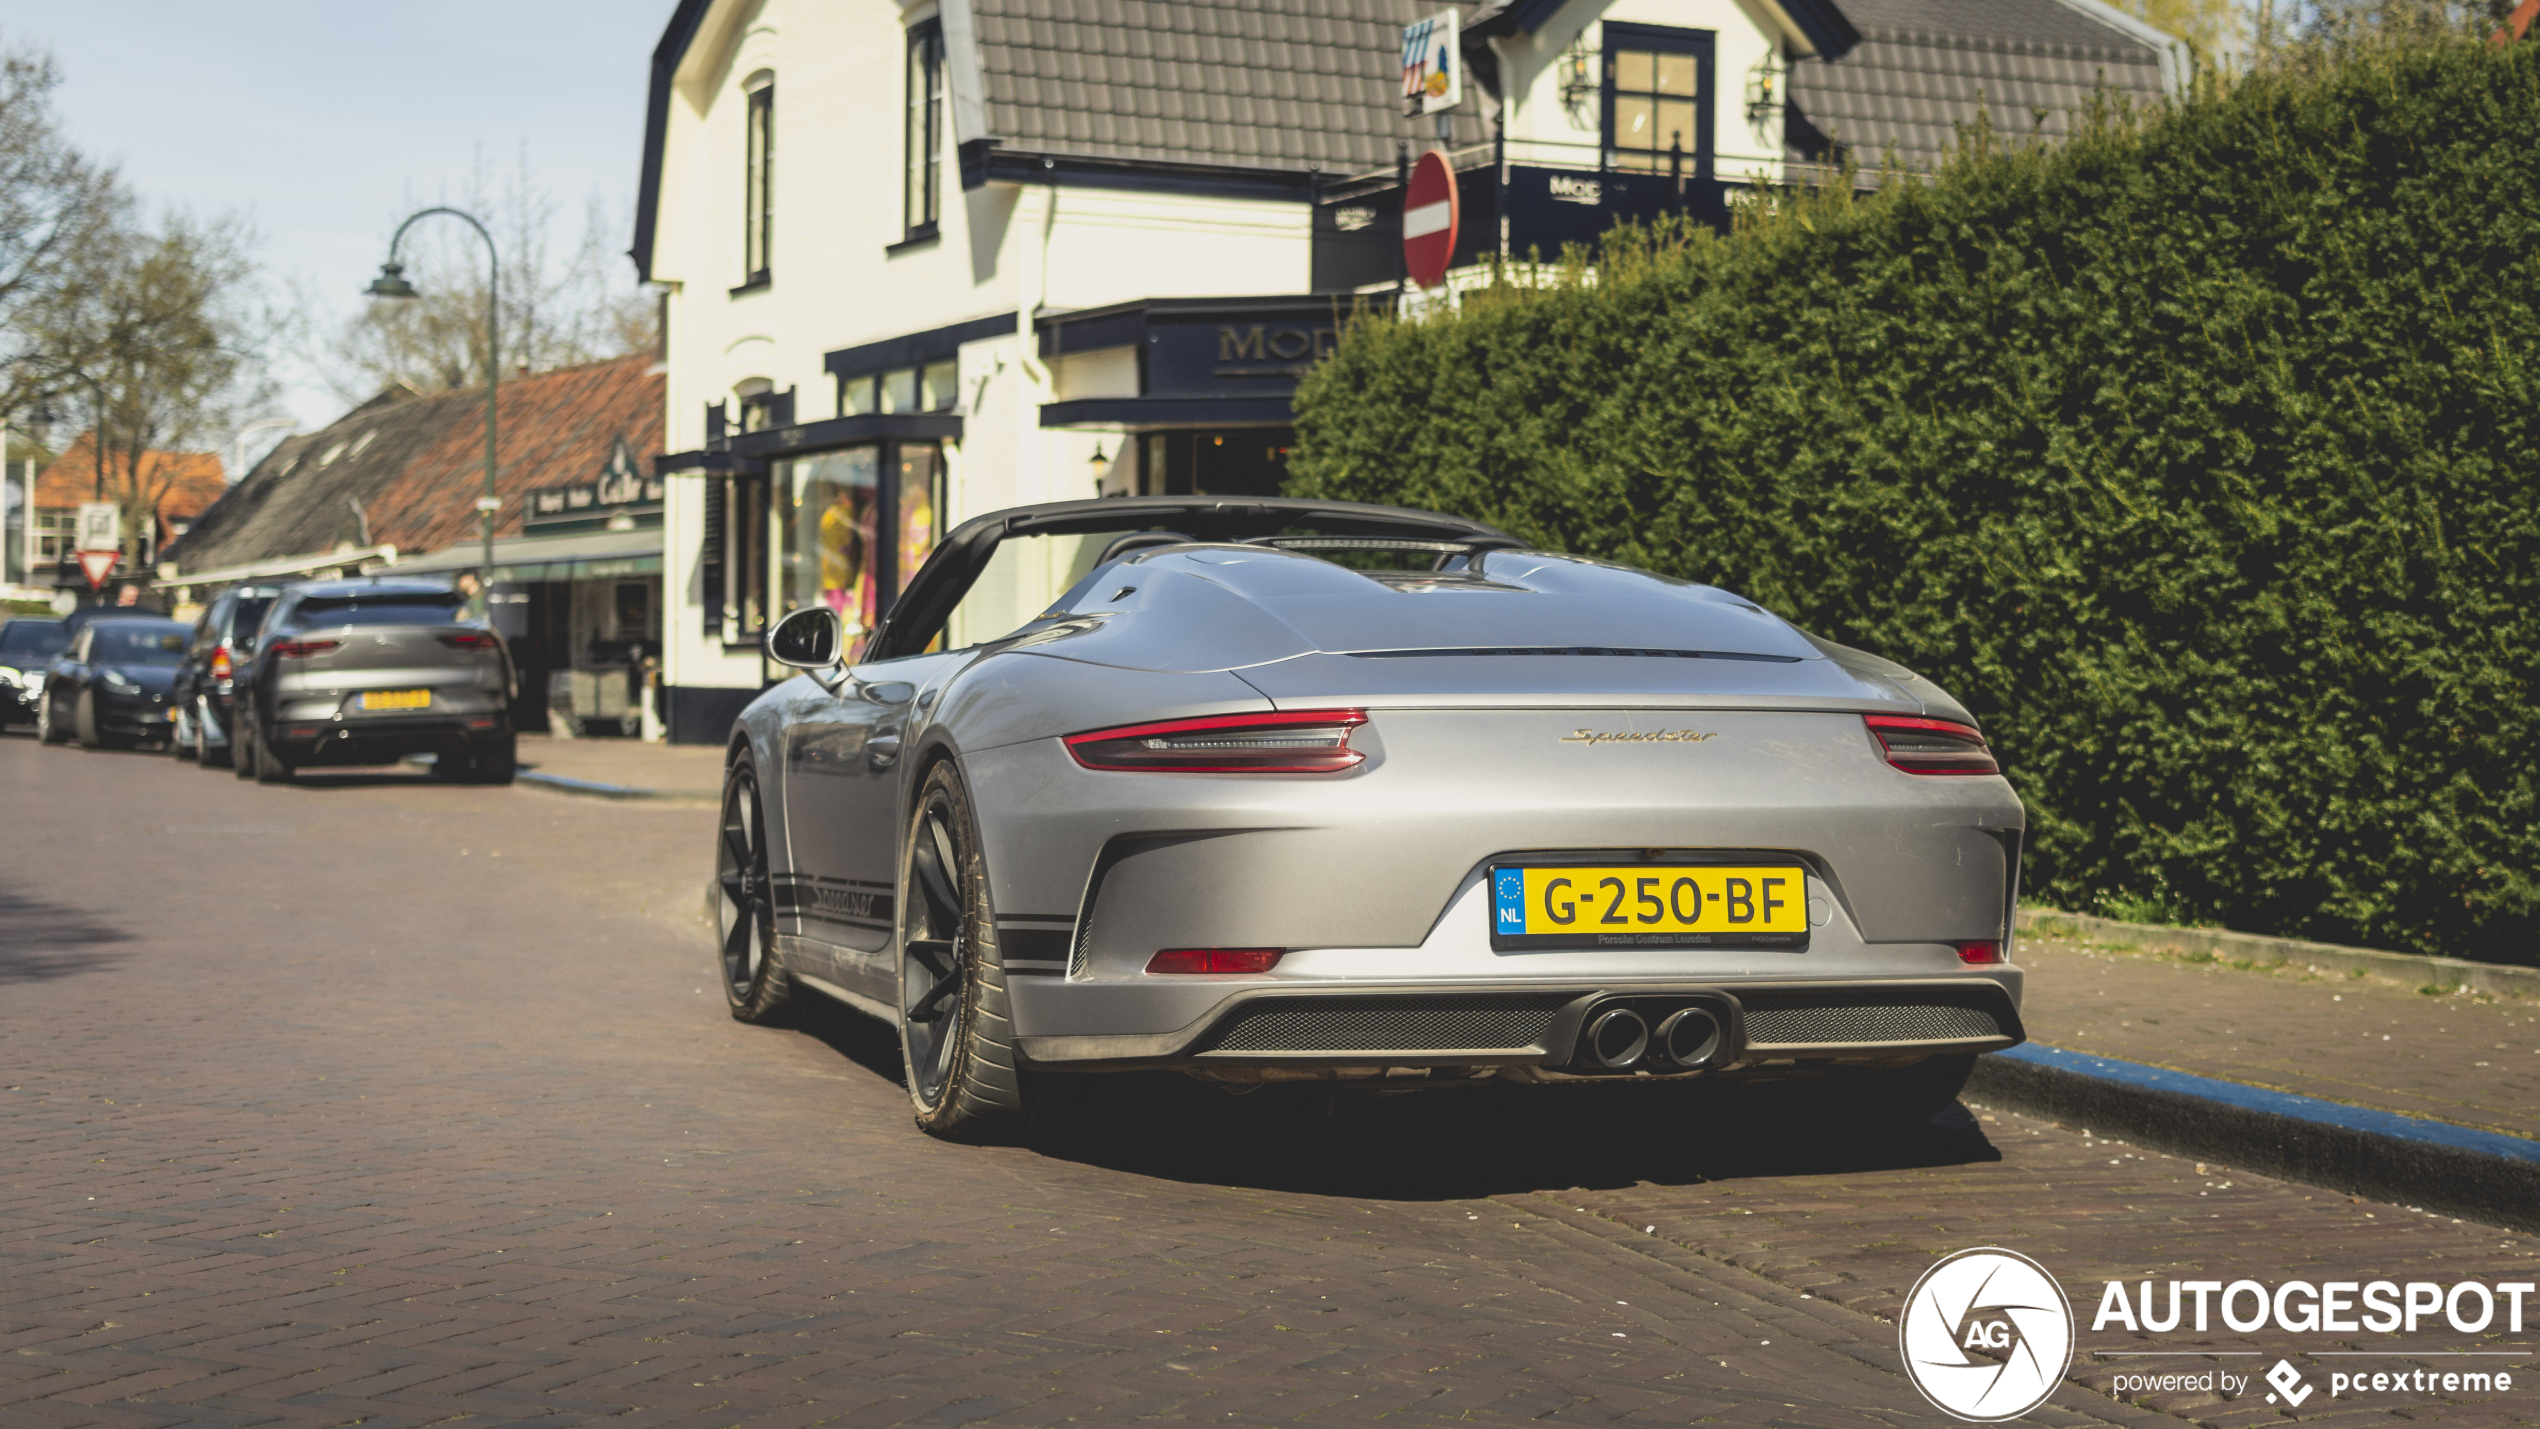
[[1279, 742], [220, 662], [1979, 954], [1215, 960], [1931, 746], [302, 649], [469, 640]]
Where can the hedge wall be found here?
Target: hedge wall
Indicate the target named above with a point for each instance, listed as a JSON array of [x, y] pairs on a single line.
[[2200, 457]]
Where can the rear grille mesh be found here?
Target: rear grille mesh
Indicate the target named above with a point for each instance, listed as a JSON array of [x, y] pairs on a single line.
[[1388, 1024], [1906, 1023]]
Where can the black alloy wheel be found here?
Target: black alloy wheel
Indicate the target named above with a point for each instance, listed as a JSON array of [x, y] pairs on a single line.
[[754, 984], [956, 1025], [47, 729]]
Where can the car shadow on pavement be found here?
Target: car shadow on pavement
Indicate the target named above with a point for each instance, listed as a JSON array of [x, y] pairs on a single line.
[[324, 780], [1450, 1143], [44, 941], [1482, 1140]]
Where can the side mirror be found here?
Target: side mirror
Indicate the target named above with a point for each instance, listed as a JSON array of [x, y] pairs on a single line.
[[807, 639]]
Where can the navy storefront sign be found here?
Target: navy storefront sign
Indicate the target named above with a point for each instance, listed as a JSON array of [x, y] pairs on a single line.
[[1202, 361], [1551, 208]]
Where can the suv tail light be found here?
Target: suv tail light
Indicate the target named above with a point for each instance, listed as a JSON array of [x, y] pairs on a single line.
[[220, 662], [1978, 954], [1215, 960], [1279, 742], [1931, 746], [302, 649], [469, 640]]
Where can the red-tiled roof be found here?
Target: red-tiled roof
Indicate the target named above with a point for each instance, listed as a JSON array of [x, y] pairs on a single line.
[[194, 479], [405, 470], [552, 429]]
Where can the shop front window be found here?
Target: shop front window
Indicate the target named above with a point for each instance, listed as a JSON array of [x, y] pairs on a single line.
[[836, 508]]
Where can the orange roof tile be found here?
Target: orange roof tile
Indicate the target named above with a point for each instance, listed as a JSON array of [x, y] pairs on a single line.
[[194, 479]]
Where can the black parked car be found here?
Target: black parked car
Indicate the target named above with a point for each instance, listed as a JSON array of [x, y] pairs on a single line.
[[111, 685], [223, 639], [368, 672], [27, 645]]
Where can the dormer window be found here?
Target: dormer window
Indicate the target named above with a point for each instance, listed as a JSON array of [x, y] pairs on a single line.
[[1658, 103], [758, 184], [922, 138]]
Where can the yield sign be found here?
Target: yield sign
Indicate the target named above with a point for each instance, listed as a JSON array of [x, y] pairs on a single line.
[[98, 565], [1429, 213]]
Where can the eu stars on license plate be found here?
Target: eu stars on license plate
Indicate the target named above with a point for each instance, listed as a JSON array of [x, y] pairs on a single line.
[[1649, 906]]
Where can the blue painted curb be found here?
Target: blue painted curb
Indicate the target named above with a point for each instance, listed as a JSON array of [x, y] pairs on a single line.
[[2407, 1160], [2354, 1118], [592, 787]]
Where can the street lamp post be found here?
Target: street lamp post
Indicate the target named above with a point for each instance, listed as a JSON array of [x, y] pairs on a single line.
[[392, 283]]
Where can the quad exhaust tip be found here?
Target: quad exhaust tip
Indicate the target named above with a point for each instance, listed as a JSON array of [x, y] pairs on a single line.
[[1689, 1037], [1619, 1039]]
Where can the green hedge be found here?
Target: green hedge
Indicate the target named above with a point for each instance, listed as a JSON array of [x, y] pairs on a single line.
[[2200, 457]]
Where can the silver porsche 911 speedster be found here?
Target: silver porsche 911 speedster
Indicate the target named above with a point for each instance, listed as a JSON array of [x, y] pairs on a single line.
[[1277, 790]]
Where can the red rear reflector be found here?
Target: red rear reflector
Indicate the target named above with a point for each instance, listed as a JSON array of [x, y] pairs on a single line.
[[300, 731], [486, 723], [472, 640], [1975, 954], [1215, 960], [1931, 746], [1278, 742], [297, 649], [220, 662]]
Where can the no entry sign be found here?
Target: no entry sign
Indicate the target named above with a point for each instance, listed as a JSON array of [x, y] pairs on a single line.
[[1429, 216]]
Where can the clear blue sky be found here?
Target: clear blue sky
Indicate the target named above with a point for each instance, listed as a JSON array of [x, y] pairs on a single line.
[[320, 120]]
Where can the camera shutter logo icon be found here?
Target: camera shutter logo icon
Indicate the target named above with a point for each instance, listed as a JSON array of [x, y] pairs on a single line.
[[1986, 1335], [2288, 1382]]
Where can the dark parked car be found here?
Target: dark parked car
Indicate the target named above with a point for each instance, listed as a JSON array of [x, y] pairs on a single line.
[[111, 685], [368, 672], [27, 645], [223, 639]]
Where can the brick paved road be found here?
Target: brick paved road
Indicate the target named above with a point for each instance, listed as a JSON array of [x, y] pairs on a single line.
[[385, 1103]]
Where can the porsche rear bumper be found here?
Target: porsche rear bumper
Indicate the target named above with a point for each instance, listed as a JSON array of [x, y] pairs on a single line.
[[1374, 1029]]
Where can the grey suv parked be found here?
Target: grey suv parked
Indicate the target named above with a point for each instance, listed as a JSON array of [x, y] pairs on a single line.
[[368, 672]]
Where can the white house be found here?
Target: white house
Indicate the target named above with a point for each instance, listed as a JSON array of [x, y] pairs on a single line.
[[923, 261]]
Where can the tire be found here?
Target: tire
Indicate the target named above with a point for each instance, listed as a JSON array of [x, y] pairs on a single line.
[[956, 1022], [755, 985], [270, 768], [90, 737], [242, 748], [184, 741], [47, 729], [495, 763]]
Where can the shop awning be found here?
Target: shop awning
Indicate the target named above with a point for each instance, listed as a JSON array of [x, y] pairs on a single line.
[[586, 555]]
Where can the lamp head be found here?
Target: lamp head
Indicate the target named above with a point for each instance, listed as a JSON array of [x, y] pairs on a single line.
[[392, 283]]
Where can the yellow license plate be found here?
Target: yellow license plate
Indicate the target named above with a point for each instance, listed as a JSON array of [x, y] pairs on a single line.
[[397, 700], [1649, 906]]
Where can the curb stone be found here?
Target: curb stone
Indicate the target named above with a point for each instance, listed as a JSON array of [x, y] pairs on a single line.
[[2410, 1161], [2498, 979]]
